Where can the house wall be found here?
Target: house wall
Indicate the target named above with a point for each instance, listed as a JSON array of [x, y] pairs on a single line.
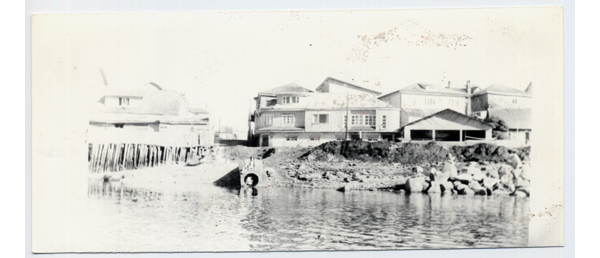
[[279, 139], [113, 101], [433, 102], [278, 118], [502, 101], [261, 101], [336, 120], [392, 99], [479, 102], [163, 134]]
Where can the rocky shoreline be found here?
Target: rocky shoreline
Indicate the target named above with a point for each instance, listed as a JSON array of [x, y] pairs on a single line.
[[481, 169]]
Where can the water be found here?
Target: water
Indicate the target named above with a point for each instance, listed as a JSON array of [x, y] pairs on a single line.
[[210, 218]]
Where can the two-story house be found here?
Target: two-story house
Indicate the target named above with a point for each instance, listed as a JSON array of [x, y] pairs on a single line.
[[420, 100], [149, 115], [511, 105], [336, 111]]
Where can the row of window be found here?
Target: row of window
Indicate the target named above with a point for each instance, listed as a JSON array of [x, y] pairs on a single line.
[[293, 138], [292, 99], [368, 120]]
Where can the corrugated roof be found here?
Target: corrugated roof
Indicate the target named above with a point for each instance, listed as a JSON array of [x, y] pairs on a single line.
[[291, 87], [501, 90], [514, 118], [451, 116]]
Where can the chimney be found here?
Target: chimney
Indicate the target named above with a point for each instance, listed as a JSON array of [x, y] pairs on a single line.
[[468, 87], [468, 106], [448, 85]]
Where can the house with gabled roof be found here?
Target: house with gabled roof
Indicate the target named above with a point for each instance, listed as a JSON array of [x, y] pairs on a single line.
[[508, 104], [448, 126], [149, 115], [336, 110], [419, 100], [332, 85]]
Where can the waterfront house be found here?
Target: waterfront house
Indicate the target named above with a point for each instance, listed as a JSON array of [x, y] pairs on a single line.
[[149, 115], [421, 99], [510, 105], [337, 110]]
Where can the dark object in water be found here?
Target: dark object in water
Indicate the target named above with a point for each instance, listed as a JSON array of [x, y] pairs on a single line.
[[196, 162]]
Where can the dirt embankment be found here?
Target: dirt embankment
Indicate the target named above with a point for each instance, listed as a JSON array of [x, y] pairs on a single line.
[[412, 153]]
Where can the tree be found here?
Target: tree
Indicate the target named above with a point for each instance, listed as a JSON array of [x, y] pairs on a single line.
[[500, 127]]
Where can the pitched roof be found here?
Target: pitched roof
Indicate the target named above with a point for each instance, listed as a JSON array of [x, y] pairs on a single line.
[[290, 87], [513, 117], [529, 88], [333, 101], [501, 90], [449, 115], [198, 111], [347, 84], [430, 88]]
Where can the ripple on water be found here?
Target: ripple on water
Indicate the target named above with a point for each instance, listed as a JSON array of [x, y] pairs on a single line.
[[217, 219]]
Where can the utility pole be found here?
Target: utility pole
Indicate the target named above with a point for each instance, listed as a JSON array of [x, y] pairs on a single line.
[[347, 111]]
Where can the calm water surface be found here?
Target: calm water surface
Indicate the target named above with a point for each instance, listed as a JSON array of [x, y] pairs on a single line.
[[210, 218]]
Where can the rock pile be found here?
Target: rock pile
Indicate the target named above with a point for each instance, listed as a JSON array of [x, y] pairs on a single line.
[[511, 178]]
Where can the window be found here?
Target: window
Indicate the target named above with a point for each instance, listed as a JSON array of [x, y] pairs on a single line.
[[291, 138], [314, 138], [288, 99], [429, 101], [267, 120], [383, 122], [288, 119], [357, 120], [369, 120], [320, 119], [123, 101], [453, 102], [119, 125], [514, 101], [345, 121]]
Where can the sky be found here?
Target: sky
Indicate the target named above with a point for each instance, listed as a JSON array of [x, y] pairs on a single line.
[[220, 61]]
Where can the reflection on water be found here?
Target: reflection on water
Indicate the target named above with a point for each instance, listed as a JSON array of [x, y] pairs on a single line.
[[210, 218]]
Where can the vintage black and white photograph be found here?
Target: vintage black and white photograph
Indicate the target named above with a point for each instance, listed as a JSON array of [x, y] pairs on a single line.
[[297, 130]]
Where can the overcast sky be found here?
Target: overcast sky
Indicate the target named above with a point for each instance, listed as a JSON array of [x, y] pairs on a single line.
[[221, 60]]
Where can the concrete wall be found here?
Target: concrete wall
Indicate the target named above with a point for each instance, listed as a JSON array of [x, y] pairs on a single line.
[[432, 102], [279, 139]]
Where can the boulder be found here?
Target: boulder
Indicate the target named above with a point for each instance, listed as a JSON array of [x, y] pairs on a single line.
[[478, 189], [449, 170], [434, 187], [466, 191], [464, 178], [446, 187], [415, 184]]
